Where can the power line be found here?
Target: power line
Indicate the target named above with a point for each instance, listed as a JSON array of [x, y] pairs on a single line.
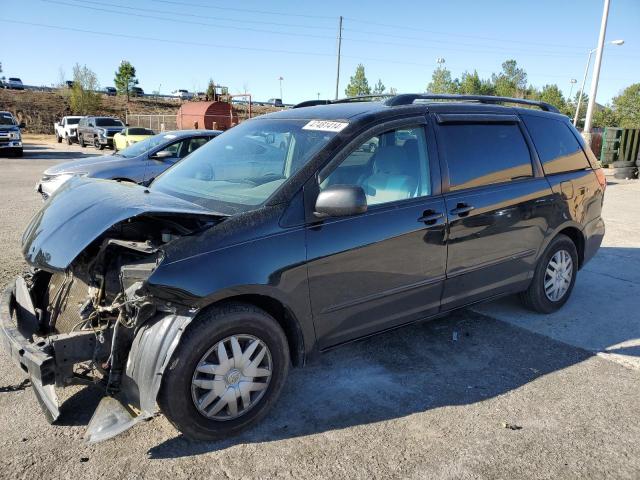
[[193, 15], [247, 10], [163, 40], [324, 37], [173, 20]]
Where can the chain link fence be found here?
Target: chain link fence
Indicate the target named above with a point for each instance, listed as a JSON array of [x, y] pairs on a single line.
[[157, 123]]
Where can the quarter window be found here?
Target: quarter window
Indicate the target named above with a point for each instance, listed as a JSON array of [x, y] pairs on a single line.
[[484, 154], [389, 167], [557, 147]]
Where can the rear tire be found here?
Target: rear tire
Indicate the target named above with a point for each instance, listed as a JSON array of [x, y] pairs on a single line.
[[200, 345], [624, 173], [541, 299]]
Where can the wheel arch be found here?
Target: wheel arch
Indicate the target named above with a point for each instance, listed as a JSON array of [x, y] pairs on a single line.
[[575, 232], [281, 313]]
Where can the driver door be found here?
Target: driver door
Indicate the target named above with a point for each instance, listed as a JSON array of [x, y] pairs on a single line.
[[385, 267]]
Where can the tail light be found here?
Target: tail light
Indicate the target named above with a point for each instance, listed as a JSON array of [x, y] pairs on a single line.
[[602, 178]]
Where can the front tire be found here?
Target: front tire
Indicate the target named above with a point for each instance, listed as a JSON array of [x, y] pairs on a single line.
[[58, 138], [81, 141], [97, 144], [554, 277], [227, 372], [69, 140]]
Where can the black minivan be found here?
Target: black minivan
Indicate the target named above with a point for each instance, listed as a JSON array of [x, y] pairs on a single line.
[[289, 234]]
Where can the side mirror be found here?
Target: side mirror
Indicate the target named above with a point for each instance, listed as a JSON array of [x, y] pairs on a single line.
[[340, 201], [22, 125], [162, 154]]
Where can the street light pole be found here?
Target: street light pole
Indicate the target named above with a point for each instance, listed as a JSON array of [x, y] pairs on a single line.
[[584, 79], [596, 69], [339, 51], [573, 81], [280, 79]]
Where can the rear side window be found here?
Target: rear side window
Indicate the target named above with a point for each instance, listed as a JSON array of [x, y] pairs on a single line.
[[557, 147], [483, 154]]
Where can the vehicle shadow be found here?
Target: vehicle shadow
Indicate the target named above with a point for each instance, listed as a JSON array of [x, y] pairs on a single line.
[[461, 359], [602, 314]]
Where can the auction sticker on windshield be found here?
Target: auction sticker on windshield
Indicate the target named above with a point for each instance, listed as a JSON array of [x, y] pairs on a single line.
[[325, 126]]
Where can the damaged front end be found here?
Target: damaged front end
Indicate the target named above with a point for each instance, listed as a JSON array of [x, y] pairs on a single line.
[[94, 321]]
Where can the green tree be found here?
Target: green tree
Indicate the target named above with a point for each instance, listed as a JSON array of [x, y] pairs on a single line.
[[379, 88], [511, 82], [441, 82], [627, 106], [552, 95], [472, 84], [605, 117], [358, 84], [125, 78], [211, 91], [84, 99]]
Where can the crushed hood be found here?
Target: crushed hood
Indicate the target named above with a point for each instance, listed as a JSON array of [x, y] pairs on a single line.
[[83, 209]]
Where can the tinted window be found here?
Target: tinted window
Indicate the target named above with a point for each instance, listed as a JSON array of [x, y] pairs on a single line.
[[557, 147], [482, 154], [389, 167], [108, 122]]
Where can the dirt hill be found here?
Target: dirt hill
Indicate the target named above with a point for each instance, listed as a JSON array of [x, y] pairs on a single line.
[[39, 110]]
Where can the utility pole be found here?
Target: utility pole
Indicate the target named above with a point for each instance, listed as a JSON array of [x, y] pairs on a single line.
[[339, 47], [596, 72]]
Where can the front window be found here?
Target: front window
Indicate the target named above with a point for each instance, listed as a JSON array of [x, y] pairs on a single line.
[[244, 166], [146, 145], [72, 121], [6, 119], [108, 122]]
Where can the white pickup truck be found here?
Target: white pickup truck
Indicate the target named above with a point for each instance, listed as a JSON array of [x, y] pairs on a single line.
[[67, 129]]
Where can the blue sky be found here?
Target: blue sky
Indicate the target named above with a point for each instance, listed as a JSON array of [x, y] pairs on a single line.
[[251, 43]]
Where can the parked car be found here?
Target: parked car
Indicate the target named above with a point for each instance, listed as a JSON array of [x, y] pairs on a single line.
[[182, 94], [69, 83], [129, 136], [67, 129], [137, 92], [141, 162], [98, 131], [14, 83], [276, 102], [10, 136], [110, 91], [206, 285]]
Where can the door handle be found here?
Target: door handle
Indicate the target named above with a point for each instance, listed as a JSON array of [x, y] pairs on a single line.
[[462, 210], [430, 217]]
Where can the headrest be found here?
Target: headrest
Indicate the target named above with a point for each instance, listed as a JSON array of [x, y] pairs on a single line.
[[390, 160]]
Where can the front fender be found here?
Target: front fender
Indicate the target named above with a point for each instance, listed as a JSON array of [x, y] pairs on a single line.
[[149, 356]]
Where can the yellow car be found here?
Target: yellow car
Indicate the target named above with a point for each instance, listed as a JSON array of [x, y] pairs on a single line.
[[129, 136]]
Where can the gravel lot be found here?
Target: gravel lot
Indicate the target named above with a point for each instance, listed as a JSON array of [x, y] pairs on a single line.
[[516, 396]]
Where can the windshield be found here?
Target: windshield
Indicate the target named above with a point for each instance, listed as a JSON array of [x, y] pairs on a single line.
[[240, 169], [72, 121], [108, 122], [140, 131], [6, 119], [147, 144]]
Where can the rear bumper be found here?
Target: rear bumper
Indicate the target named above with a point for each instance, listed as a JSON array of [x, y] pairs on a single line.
[[34, 359]]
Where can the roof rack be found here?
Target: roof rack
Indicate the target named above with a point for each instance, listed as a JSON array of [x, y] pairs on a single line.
[[359, 98], [409, 98]]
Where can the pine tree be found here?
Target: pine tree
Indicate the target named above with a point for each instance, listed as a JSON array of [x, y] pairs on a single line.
[[125, 78], [358, 85]]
